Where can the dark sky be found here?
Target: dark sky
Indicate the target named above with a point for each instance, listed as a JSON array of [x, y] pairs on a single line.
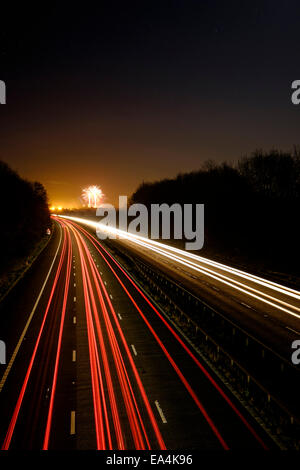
[[115, 93]]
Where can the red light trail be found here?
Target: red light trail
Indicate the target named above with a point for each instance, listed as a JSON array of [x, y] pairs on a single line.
[[122, 412]]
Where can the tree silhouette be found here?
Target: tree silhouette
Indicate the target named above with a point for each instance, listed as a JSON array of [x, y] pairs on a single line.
[[251, 209], [24, 214]]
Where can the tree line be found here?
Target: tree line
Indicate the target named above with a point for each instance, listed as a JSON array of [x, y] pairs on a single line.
[[251, 207], [24, 214]]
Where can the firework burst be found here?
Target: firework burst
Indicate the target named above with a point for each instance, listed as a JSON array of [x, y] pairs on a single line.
[[92, 195]]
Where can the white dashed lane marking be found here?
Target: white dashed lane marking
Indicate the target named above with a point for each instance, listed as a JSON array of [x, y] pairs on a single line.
[[163, 418], [72, 426]]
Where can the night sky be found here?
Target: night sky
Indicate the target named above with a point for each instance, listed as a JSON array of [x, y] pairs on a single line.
[[125, 92]]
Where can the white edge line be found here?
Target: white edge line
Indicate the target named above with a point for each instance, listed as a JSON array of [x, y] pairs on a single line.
[[12, 359]]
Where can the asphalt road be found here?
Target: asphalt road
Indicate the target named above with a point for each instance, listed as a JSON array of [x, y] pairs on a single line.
[[93, 365], [268, 311]]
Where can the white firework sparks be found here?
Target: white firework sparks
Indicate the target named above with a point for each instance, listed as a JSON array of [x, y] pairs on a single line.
[[92, 195]]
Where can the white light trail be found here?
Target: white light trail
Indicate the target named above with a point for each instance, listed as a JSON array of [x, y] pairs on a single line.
[[181, 256]]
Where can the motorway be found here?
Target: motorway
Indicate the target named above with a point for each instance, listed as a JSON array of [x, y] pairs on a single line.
[[92, 363], [268, 311]]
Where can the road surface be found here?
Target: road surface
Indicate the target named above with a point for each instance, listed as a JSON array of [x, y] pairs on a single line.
[[93, 365], [268, 311]]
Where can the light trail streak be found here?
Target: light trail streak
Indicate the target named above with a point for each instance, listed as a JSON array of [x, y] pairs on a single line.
[[63, 313], [228, 281], [169, 357], [136, 374], [95, 242], [104, 359], [177, 256], [94, 360], [133, 412], [124, 387], [94, 291], [124, 380], [14, 355], [12, 424]]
